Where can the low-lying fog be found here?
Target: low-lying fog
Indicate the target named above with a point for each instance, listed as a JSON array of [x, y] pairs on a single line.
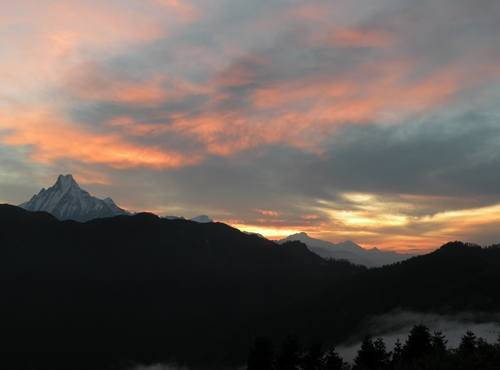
[[398, 324]]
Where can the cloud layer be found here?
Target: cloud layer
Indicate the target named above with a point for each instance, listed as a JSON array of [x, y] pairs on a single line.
[[375, 121]]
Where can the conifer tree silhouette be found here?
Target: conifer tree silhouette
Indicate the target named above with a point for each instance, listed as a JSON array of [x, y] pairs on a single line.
[[313, 359], [332, 361], [397, 354], [438, 342], [261, 354], [290, 354], [468, 343], [371, 355], [418, 343]]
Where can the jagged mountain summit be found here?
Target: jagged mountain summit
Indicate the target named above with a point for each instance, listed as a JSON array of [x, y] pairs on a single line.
[[67, 201], [202, 219], [348, 250]]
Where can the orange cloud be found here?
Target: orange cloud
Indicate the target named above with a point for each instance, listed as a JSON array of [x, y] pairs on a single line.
[[53, 139], [93, 84], [268, 213], [87, 175], [390, 225], [72, 25], [44, 40], [302, 111], [244, 72], [184, 9], [310, 217], [378, 228], [349, 99], [305, 111], [272, 232], [352, 37], [318, 13]]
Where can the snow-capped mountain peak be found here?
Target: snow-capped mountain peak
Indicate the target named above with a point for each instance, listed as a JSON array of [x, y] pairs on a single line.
[[66, 200], [67, 182], [203, 219], [347, 250]]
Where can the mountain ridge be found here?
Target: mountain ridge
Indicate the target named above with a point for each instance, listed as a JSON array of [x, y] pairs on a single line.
[[146, 289], [140, 286], [67, 201], [349, 250]]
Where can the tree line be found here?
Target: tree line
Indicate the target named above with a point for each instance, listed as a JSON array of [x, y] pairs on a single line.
[[421, 351]]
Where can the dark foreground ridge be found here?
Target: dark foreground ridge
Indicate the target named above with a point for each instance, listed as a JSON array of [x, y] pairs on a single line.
[[112, 292], [140, 288]]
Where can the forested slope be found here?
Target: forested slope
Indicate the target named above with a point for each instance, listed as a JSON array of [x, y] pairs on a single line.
[[140, 288], [458, 277], [143, 289]]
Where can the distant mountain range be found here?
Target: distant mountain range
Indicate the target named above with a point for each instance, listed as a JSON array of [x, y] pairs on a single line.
[[67, 201], [348, 250], [202, 219]]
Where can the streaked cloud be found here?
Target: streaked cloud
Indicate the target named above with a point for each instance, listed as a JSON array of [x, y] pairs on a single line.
[[375, 121]]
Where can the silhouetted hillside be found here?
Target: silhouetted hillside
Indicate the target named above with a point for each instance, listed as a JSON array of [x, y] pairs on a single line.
[[457, 277], [143, 289], [140, 288]]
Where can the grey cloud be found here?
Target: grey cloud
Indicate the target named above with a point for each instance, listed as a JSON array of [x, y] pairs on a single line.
[[97, 112], [485, 234], [451, 162], [17, 173], [240, 183], [198, 54], [448, 161], [223, 187], [453, 157], [431, 34]]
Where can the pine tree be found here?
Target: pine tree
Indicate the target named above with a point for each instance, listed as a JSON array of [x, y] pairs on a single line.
[[438, 343], [313, 359], [366, 355], [381, 353], [371, 355], [397, 354], [332, 361], [418, 343], [290, 355], [468, 344], [261, 354]]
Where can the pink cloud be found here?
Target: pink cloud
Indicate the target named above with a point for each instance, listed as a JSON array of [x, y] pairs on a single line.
[[301, 111], [184, 9], [52, 139]]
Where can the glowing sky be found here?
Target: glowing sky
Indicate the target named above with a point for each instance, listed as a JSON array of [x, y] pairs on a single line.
[[371, 120]]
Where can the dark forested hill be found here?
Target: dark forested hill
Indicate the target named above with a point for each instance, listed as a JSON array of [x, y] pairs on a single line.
[[140, 288], [458, 277], [112, 292]]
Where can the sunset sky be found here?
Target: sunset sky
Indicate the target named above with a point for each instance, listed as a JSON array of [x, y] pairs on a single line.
[[376, 121]]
